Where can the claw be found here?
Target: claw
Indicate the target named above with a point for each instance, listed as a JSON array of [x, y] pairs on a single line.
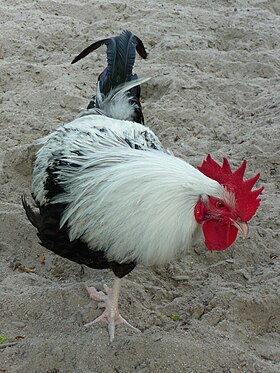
[[109, 301]]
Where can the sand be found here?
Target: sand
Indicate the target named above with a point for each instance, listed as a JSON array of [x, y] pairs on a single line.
[[215, 88]]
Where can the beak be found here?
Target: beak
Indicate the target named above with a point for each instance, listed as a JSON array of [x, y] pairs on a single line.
[[242, 227]]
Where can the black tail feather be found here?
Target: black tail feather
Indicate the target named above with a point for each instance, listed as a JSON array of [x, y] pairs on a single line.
[[121, 53], [139, 47], [33, 216], [89, 49], [55, 238]]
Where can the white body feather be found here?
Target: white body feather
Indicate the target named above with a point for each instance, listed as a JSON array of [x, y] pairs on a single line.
[[137, 205]]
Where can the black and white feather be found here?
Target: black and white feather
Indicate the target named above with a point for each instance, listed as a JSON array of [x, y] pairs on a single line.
[[121, 53], [108, 194]]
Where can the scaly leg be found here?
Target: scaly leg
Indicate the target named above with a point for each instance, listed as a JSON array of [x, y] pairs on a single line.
[[109, 300]]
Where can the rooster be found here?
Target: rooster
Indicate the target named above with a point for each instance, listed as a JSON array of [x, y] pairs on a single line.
[[109, 195]]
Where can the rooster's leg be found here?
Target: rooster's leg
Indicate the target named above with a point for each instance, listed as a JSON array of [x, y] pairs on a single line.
[[109, 301]]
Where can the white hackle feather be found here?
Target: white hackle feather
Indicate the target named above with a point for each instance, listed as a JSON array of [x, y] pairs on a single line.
[[137, 205], [117, 103]]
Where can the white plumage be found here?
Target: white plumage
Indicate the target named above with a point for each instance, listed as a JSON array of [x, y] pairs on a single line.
[[135, 205]]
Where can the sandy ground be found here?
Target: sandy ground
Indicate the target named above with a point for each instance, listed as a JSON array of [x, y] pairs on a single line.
[[215, 88]]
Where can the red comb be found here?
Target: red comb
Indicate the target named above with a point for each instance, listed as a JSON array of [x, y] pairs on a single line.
[[247, 202]]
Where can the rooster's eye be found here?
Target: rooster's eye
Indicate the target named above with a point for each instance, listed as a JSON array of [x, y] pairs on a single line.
[[220, 205]]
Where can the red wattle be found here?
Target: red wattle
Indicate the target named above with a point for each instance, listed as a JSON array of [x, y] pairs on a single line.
[[218, 234], [199, 212]]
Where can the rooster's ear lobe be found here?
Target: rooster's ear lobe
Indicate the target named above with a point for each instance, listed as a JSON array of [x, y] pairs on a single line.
[[199, 212]]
